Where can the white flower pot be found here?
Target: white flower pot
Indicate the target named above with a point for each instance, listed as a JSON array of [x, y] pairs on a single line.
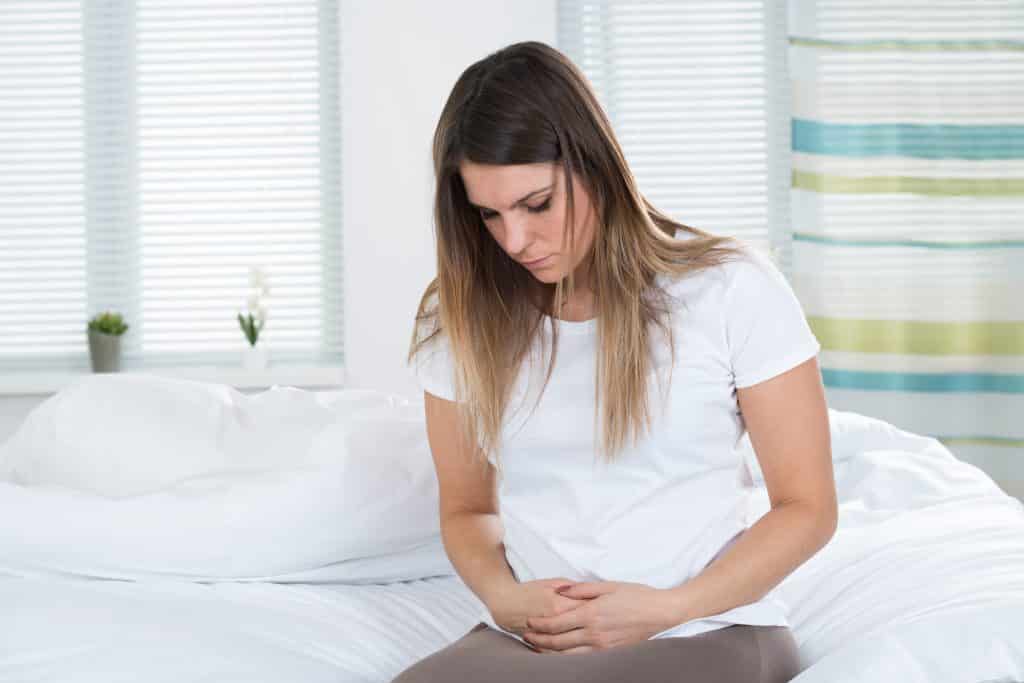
[[104, 351], [254, 357]]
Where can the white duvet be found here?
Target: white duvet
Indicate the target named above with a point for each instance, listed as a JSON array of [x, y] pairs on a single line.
[[923, 581]]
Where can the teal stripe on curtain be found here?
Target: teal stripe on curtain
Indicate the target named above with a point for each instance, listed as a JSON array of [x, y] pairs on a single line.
[[922, 141], [921, 244], [906, 381]]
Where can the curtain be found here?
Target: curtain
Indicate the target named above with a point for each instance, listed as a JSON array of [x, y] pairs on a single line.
[[907, 215]]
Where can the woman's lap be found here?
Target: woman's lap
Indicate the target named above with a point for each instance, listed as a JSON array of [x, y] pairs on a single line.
[[752, 654]]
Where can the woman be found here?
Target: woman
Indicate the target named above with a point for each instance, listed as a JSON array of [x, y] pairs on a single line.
[[604, 361]]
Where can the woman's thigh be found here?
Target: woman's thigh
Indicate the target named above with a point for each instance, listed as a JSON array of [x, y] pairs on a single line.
[[751, 654]]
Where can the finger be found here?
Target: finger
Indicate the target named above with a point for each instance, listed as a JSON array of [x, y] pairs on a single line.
[[587, 589], [559, 623], [560, 641], [539, 650], [568, 604]]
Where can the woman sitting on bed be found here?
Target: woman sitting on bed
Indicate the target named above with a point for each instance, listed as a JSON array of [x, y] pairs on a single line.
[[590, 366]]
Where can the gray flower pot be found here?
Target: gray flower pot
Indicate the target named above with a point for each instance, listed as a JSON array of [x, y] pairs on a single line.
[[104, 351]]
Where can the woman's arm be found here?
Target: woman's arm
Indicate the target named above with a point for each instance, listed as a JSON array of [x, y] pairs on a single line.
[[472, 541], [470, 528], [787, 418]]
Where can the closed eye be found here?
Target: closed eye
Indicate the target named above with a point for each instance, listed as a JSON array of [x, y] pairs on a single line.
[[543, 206]]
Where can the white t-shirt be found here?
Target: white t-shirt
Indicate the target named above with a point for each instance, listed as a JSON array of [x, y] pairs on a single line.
[[663, 510]]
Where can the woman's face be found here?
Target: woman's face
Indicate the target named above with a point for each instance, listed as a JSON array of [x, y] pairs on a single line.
[[524, 208]]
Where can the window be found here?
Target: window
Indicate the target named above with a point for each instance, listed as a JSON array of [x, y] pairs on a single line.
[[697, 93], [153, 152]]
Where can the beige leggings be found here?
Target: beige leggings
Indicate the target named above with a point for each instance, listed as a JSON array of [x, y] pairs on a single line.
[[737, 653]]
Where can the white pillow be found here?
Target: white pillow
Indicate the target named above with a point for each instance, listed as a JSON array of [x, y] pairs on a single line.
[[125, 434], [120, 434], [280, 484]]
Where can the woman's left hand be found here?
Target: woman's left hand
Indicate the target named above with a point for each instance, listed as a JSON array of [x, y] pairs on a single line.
[[616, 613]]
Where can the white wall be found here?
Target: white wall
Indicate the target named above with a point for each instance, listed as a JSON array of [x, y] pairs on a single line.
[[400, 59], [399, 62]]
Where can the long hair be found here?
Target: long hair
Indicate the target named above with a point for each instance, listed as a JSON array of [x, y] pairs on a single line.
[[524, 104]]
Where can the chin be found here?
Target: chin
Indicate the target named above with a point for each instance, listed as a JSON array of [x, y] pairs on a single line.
[[549, 276]]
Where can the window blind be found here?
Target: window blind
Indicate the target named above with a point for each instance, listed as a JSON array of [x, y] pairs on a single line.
[[43, 246], [202, 140], [697, 94]]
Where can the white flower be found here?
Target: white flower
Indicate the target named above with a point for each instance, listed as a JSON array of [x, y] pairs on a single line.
[[259, 280], [255, 277], [258, 289], [254, 302]]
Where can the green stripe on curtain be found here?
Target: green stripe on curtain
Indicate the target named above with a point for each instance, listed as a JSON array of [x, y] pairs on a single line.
[[981, 441], [926, 338], [978, 187]]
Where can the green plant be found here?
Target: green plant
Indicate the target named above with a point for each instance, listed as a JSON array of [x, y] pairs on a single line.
[[251, 326], [108, 322]]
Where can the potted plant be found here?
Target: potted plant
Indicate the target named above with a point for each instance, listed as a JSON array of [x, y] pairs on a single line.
[[254, 355], [105, 330]]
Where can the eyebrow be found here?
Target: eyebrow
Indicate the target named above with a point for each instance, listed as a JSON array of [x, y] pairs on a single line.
[[518, 202]]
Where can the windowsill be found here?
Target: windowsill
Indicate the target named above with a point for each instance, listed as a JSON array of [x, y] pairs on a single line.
[[320, 376]]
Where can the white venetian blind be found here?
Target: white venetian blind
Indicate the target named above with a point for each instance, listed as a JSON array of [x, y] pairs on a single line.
[[210, 132], [697, 93], [43, 298]]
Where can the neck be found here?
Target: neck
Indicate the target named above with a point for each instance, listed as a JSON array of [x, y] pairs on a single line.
[[580, 307]]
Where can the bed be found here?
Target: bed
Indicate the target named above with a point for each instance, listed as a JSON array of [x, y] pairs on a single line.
[[160, 529]]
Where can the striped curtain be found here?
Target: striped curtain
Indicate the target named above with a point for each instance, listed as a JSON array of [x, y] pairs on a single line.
[[908, 215]]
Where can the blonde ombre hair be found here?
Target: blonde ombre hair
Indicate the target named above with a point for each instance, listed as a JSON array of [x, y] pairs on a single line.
[[528, 103]]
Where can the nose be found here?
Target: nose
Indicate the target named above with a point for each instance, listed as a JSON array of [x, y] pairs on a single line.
[[516, 235]]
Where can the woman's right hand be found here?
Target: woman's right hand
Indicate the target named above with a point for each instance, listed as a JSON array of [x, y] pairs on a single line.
[[538, 598]]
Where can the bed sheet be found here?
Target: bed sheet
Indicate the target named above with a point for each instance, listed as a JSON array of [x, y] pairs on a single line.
[[74, 629]]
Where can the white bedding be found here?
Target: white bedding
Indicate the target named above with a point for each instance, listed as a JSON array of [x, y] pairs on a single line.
[[923, 582], [75, 630], [138, 476], [931, 596]]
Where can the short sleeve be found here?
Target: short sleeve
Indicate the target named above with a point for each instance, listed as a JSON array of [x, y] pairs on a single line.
[[766, 329], [433, 369]]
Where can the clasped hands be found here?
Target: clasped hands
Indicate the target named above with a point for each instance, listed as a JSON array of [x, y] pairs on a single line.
[[566, 617]]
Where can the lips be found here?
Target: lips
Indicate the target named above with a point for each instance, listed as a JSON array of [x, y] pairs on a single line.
[[535, 262]]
